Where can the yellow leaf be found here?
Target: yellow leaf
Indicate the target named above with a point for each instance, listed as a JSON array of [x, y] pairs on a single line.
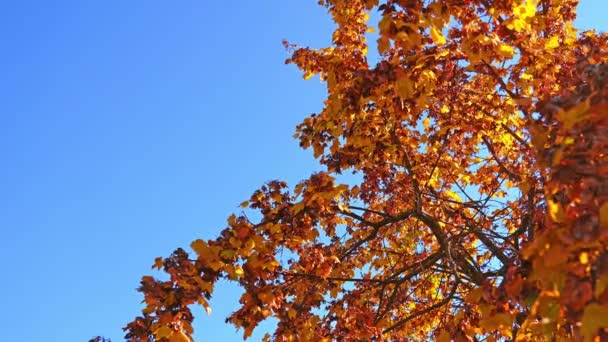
[[442, 53], [556, 212], [570, 34], [238, 270], [552, 43], [584, 258], [444, 109], [525, 10], [453, 195], [521, 14], [526, 76], [595, 317], [426, 123], [428, 75], [437, 37], [506, 51]]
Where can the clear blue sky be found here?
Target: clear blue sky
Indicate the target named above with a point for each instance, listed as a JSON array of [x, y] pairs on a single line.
[[130, 128]]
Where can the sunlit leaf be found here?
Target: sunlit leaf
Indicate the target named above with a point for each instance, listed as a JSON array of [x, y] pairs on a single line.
[[437, 37]]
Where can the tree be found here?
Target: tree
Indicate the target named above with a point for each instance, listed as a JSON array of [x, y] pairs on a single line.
[[480, 141]]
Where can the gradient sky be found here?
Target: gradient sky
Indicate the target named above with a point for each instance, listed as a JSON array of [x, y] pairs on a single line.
[[130, 128]]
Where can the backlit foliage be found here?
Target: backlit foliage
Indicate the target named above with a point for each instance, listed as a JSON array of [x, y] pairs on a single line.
[[479, 141]]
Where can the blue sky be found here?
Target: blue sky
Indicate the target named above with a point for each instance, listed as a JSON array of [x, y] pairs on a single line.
[[130, 128]]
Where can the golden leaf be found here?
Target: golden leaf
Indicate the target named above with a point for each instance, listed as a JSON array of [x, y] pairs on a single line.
[[296, 208], [525, 10], [437, 37], [556, 212], [405, 87], [202, 301], [506, 51], [158, 263], [232, 220], [201, 248], [227, 253], [426, 123], [163, 332], [527, 77], [584, 258], [238, 270], [552, 43]]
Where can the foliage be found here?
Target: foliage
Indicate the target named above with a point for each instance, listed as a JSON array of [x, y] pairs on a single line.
[[480, 142]]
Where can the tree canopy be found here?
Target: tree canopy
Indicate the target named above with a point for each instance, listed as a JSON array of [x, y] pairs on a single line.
[[479, 142]]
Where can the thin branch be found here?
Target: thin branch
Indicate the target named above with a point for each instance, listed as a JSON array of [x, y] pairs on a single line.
[[425, 311], [515, 135], [353, 207], [432, 223], [500, 81], [376, 226], [343, 279], [501, 165]]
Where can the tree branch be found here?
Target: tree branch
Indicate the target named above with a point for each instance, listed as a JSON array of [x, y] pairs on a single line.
[[501, 165], [425, 311]]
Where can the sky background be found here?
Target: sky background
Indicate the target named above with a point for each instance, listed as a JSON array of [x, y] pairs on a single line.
[[130, 128]]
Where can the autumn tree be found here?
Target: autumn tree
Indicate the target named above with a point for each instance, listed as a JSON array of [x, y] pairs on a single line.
[[480, 139]]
